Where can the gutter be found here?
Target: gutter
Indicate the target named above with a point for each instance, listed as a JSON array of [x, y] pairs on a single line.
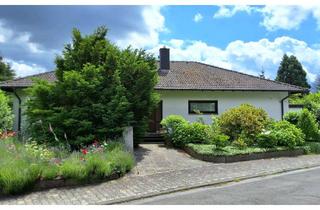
[[282, 108], [19, 110]]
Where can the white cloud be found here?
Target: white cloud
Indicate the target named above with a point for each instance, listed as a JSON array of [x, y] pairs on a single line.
[[248, 57], [197, 17], [283, 17], [154, 21], [23, 40], [275, 16], [229, 11], [22, 69]]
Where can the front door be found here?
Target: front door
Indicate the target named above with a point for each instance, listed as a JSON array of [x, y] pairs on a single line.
[[155, 119]]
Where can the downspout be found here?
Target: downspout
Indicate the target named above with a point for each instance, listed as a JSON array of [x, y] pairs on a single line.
[[19, 110], [282, 108]]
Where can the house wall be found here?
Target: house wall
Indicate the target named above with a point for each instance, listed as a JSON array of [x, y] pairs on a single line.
[[176, 102]]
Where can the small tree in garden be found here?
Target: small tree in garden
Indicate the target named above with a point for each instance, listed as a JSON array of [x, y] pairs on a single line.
[[6, 116], [100, 89]]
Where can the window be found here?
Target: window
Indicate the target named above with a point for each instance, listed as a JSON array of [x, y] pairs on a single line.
[[205, 107]]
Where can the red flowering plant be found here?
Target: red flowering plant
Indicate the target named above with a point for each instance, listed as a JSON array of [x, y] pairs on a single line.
[[7, 134], [95, 147]]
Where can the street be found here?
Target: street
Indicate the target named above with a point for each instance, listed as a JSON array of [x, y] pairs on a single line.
[[300, 187]]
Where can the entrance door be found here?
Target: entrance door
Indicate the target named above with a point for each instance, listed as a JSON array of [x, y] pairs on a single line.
[[155, 119]]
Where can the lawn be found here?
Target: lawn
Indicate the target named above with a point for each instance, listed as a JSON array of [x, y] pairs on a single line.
[[22, 165]]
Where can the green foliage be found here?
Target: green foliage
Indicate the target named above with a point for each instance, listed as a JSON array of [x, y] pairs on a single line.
[[191, 133], [290, 71], [311, 102], [292, 117], [282, 133], [312, 147], [40, 152], [170, 123], [100, 90], [245, 119], [309, 126], [241, 141], [267, 140], [18, 176], [6, 73], [50, 171], [22, 165], [121, 161], [209, 149], [220, 140], [6, 116], [217, 137], [74, 168]]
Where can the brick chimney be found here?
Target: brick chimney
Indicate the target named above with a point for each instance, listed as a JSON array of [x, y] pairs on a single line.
[[164, 58]]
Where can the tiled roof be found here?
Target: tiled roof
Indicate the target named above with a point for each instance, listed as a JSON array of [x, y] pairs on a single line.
[[184, 75], [27, 81]]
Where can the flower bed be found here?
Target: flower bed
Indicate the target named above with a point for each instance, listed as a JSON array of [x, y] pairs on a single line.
[[230, 154], [26, 166]]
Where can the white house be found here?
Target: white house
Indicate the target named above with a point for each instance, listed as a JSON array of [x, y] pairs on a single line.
[[186, 86]]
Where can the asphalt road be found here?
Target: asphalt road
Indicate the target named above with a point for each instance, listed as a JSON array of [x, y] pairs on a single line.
[[300, 187]]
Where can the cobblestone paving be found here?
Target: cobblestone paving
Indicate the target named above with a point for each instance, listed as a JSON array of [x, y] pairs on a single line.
[[160, 170]]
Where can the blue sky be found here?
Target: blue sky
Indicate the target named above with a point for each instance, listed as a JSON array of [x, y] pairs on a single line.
[[220, 32], [241, 38]]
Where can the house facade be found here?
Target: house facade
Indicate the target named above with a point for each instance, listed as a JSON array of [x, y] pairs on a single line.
[[187, 88]]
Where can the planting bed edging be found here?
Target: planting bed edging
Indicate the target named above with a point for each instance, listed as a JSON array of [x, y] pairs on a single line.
[[243, 157], [48, 184], [61, 182]]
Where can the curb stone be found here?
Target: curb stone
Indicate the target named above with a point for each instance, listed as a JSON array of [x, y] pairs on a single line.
[[211, 183]]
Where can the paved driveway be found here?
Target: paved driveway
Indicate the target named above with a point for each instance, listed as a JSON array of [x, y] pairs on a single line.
[[159, 171], [156, 158]]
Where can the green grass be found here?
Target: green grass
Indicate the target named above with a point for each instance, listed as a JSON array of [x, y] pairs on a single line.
[[208, 149], [21, 167]]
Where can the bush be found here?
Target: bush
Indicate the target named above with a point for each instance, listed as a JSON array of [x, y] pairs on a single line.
[[267, 140], [241, 142], [191, 133], [219, 139], [6, 116], [292, 117], [170, 123], [282, 133], [311, 102], [245, 119], [309, 126]]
